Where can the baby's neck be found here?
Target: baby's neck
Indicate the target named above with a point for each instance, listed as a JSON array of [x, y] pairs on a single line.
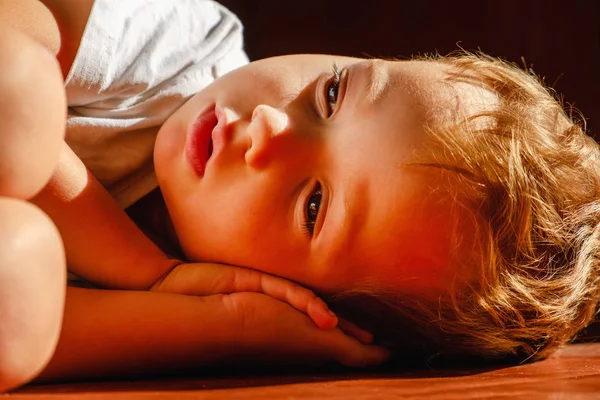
[[150, 214]]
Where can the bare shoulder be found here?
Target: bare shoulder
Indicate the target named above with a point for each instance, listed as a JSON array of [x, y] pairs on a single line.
[[71, 17], [58, 24]]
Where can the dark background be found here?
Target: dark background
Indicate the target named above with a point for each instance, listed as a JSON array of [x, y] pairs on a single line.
[[560, 39]]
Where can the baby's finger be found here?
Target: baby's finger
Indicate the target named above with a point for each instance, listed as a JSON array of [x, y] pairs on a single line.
[[369, 356], [352, 353], [302, 299], [321, 315], [352, 330]]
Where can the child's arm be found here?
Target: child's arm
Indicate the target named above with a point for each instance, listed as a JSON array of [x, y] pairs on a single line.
[[102, 244], [110, 333]]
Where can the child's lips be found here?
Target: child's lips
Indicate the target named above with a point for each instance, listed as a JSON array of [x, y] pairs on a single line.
[[199, 144], [218, 138]]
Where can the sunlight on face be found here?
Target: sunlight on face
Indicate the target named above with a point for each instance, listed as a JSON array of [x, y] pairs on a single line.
[[294, 166]]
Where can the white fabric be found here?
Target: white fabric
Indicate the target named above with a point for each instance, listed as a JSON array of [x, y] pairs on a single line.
[[138, 62]]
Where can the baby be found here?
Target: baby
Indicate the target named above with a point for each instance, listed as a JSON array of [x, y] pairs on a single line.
[[448, 206]]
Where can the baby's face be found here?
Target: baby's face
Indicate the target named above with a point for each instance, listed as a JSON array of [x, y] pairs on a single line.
[[280, 167]]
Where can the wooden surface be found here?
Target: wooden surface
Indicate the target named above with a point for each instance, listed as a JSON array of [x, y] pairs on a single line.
[[573, 373]]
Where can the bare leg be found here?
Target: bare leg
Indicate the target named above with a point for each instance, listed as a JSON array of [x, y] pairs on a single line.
[[32, 291], [32, 261], [32, 114]]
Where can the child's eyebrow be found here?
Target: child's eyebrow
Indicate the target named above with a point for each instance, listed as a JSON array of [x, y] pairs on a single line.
[[378, 79], [368, 80]]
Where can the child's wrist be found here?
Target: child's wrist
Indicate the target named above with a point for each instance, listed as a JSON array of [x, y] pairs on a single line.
[[159, 284]]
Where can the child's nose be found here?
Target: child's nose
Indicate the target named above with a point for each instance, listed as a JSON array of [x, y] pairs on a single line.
[[266, 123]]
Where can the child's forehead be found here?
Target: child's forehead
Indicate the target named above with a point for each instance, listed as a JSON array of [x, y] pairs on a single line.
[[444, 91]]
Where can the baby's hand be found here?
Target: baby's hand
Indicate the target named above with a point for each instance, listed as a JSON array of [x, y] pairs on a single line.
[[203, 279], [270, 331]]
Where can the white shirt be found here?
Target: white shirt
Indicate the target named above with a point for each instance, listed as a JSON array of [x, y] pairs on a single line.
[[138, 62]]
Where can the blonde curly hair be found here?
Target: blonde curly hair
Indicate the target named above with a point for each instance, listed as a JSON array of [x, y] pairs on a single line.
[[528, 175]]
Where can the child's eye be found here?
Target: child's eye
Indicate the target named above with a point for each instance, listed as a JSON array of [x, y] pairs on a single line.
[[332, 90], [311, 209]]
